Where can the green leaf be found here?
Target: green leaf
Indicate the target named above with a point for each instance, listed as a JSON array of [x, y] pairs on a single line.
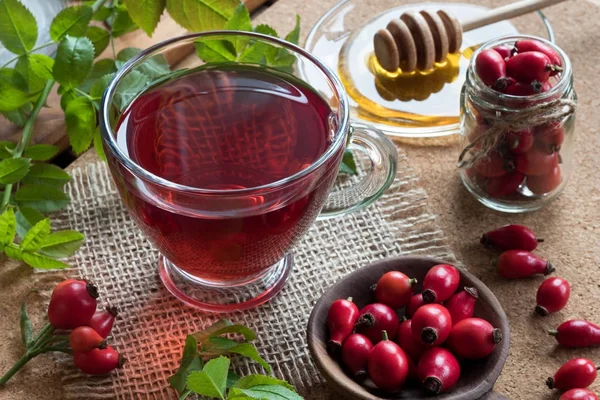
[[62, 244], [212, 380], [212, 50], [13, 170], [98, 144], [254, 53], [11, 98], [26, 219], [11, 76], [270, 51], [232, 378], [80, 118], [17, 117], [43, 262], [249, 350], [35, 237], [34, 82], [153, 68], [99, 38], [222, 327], [40, 152], [13, 251], [145, 13], [100, 85], [41, 65], [239, 21], [66, 98], [190, 362], [42, 198], [348, 165], [8, 227], [73, 61], [47, 174], [266, 392], [294, 35], [102, 67], [18, 29], [72, 21], [122, 23], [102, 14], [202, 15], [26, 327], [250, 381], [6, 149], [131, 85]]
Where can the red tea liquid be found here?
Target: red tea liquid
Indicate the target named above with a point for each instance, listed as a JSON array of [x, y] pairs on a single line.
[[229, 128]]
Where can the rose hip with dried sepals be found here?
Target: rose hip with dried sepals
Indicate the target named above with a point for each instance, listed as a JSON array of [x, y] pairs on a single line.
[[103, 320], [462, 304], [577, 333], [355, 355], [413, 348], [438, 370], [341, 317], [520, 142], [523, 89], [530, 66], [440, 282], [84, 338], [516, 264], [394, 289], [490, 67], [552, 296], [431, 324], [542, 184], [388, 365], [504, 185], [550, 137], [473, 338], [527, 45], [72, 304], [511, 237], [98, 361], [578, 394], [377, 317], [575, 373], [413, 305]]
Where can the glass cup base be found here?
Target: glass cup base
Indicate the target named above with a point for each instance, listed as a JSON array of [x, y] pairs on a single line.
[[222, 296]]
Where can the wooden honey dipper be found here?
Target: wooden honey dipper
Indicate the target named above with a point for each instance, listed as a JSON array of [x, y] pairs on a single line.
[[419, 39]]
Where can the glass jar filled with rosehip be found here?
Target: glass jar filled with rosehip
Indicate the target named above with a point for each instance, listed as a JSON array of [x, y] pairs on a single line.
[[517, 123]]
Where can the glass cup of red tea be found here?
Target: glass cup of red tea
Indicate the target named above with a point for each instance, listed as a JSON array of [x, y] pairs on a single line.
[[226, 165]]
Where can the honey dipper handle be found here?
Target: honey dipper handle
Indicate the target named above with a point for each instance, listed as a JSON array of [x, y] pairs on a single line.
[[506, 12]]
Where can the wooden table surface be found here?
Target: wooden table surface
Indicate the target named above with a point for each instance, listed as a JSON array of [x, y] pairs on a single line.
[[570, 225]]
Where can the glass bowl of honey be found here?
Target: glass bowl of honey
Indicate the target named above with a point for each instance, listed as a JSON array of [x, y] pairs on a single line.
[[418, 104]]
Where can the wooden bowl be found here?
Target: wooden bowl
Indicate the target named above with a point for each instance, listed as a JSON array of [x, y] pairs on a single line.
[[477, 377]]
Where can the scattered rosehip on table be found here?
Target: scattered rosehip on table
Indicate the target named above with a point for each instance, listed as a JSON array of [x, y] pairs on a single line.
[[516, 264], [511, 237], [577, 333], [552, 295], [577, 373]]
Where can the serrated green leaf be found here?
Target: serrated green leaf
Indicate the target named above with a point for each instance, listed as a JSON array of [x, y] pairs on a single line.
[[80, 118], [153, 68], [270, 51], [18, 28], [8, 227], [43, 262], [99, 38], [266, 392], [73, 61], [103, 12], [26, 218], [13, 170], [101, 68], [26, 327], [190, 362], [17, 117], [348, 165], [212, 50], [66, 98], [212, 380], [122, 23], [201, 15], [41, 65], [249, 350], [14, 252], [250, 381], [34, 238], [40, 152], [239, 21], [100, 85], [34, 82], [129, 87], [294, 35], [14, 78], [47, 174], [61, 244], [11, 98], [98, 144], [72, 21], [43, 198], [222, 327], [145, 13], [255, 53], [6, 149]]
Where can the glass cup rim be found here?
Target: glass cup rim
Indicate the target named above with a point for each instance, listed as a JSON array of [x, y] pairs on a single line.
[[109, 136]]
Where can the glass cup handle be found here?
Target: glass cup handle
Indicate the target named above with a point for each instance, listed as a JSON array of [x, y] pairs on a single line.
[[372, 145]]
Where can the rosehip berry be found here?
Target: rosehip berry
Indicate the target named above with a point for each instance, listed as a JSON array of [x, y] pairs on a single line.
[[473, 338], [440, 283], [504, 185], [578, 394], [98, 361], [524, 89], [413, 348], [490, 67], [542, 184], [439, 370], [72, 304], [84, 338], [103, 320], [413, 305], [504, 51], [530, 66], [375, 318], [431, 324], [536, 162], [577, 333], [524, 46], [520, 142], [550, 136], [511, 237], [394, 289], [388, 365], [355, 355], [462, 304], [492, 165], [515, 264], [341, 318], [575, 373], [552, 296]]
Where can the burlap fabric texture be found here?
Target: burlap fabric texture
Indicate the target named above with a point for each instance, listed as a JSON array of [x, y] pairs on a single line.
[[153, 324]]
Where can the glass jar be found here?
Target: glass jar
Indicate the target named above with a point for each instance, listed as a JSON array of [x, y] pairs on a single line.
[[517, 151]]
